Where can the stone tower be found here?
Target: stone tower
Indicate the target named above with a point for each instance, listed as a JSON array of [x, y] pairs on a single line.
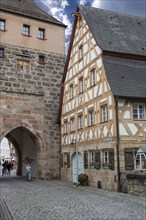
[[32, 57]]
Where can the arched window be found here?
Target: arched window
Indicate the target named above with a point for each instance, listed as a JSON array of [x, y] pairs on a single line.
[[140, 161]]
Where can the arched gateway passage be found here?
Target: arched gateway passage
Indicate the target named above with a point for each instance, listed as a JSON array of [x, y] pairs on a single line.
[[26, 144]]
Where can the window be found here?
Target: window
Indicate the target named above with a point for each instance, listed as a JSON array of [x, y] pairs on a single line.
[[81, 85], [141, 161], [95, 159], [138, 111], [72, 124], [41, 33], [93, 77], [65, 127], [23, 66], [91, 117], [130, 154], [71, 91], [108, 159], [81, 52], [80, 121], [104, 113], [26, 30], [2, 25], [1, 52], [42, 59]]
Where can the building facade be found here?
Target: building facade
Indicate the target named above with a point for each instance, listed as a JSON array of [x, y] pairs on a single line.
[[32, 52], [103, 118]]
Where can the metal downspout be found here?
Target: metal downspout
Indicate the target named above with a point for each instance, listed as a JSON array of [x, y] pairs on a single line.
[[117, 144]]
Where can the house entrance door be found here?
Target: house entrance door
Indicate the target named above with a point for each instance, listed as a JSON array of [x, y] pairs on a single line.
[[77, 169]]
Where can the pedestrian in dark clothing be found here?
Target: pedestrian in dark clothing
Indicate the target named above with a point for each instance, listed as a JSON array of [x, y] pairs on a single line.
[[4, 169], [9, 167]]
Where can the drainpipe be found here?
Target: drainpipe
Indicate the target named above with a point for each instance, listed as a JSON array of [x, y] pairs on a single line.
[[117, 144]]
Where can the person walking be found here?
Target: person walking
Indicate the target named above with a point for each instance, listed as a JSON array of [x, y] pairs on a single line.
[[4, 169], [28, 172], [9, 167]]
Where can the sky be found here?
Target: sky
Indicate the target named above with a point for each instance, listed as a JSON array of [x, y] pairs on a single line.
[[63, 9]]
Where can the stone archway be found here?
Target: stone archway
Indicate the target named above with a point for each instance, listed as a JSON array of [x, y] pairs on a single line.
[[27, 144]]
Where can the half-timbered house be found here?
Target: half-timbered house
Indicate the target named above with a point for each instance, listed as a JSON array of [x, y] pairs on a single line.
[[103, 103]]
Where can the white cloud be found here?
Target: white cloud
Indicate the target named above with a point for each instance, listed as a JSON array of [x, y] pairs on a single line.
[[57, 9], [83, 2], [96, 3]]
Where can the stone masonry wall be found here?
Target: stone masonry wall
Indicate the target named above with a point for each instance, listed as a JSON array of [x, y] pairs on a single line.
[[33, 99]]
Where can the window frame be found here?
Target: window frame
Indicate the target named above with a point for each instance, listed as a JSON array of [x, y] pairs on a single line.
[[72, 124], [91, 117], [26, 30], [93, 79], [138, 111], [71, 91], [2, 53], [81, 84], [43, 60], [81, 52], [104, 113], [65, 127], [2, 27], [80, 121], [41, 33]]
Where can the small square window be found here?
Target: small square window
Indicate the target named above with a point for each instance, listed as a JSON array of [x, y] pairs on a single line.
[[2, 25], [41, 33], [1, 52], [42, 59], [26, 30]]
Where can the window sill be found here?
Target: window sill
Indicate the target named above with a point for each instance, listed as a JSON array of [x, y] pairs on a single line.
[[41, 38], [139, 119], [26, 35], [3, 30]]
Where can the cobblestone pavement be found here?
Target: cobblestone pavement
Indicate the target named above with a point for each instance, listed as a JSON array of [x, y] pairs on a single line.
[[60, 200]]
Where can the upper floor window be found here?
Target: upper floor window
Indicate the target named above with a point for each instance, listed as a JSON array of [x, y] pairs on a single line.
[[26, 30], [65, 127], [104, 113], [80, 121], [138, 111], [91, 117], [41, 33], [93, 77], [72, 124], [81, 52], [42, 59], [2, 25], [1, 52], [71, 91], [23, 67], [81, 85]]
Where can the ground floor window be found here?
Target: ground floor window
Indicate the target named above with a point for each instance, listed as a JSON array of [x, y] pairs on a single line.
[[140, 161]]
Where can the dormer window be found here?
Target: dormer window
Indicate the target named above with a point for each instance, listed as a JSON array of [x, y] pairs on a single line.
[[26, 30], [2, 25], [41, 33]]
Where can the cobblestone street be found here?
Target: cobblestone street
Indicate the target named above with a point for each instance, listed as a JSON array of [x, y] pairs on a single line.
[[60, 200]]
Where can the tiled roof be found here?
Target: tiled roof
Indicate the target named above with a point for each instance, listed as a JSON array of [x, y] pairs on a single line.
[[29, 9], [126, 77], [116, 32]]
